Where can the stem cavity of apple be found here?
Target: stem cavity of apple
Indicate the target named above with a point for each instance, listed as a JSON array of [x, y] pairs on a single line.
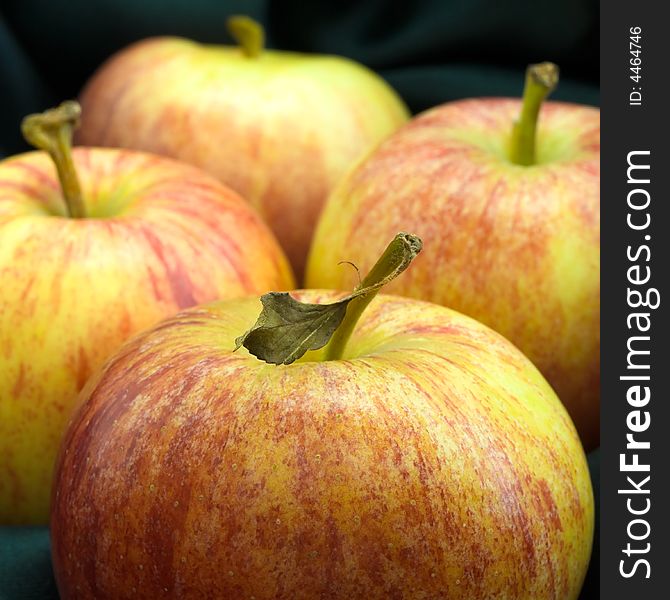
[[51, 131], [248, 33], [287, 328], [541, 80]]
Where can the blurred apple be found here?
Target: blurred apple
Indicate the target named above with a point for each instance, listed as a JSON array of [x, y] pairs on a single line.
[[511, 226], [278, 127], [424, 457], [137, 238]]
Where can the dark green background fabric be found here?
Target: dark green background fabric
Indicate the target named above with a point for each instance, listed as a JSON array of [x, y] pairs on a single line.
[[431, 51]]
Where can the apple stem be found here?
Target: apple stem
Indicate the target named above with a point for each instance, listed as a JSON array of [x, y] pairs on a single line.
[[51, 131], [287, 328], [541, 79], [248, 33], [397, 256]]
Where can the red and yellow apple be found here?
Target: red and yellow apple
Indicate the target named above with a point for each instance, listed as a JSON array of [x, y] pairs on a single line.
[[155, 236], [430, 460], [516, 246], [278, 127]]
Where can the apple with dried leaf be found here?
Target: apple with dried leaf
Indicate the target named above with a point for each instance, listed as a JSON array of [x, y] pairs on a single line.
[[406, 451]]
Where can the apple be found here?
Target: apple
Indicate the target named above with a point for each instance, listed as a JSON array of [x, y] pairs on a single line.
[[137, 238], [278, 127], [516, 246], [422, 457]]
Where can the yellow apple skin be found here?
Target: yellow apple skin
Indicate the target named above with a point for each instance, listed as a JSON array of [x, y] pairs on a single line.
[[517, 248], [280, 128], [432, 461], [161, 236]]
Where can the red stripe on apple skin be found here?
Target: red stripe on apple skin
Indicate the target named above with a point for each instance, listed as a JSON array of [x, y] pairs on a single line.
[[17, 390], [301, 485], [37, 173], [174, 272], [549, 504], [30, 191]]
